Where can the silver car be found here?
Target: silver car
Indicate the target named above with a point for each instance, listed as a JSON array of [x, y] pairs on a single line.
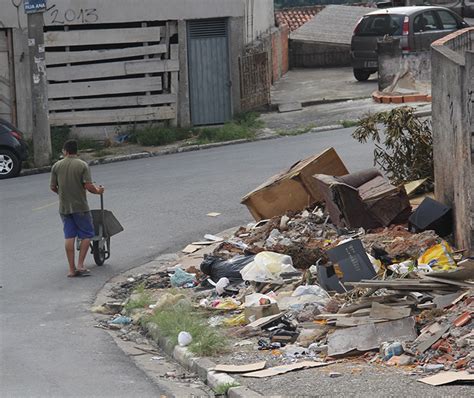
[[417, 27]]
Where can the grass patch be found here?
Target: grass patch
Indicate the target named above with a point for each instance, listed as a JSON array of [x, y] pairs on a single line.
[[144, 299], [244, 126], [102, 152], [207, 341], [224, 388], [158, 135], [349, 123], [297, 131]]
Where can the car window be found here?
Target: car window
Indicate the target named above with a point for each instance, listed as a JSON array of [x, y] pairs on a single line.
[[380, 25], [425, 22], [448, 20]]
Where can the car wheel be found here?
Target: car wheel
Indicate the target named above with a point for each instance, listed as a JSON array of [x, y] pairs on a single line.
[[361, 75], [10, 165]]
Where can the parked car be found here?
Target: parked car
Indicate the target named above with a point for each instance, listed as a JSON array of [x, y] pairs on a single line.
[[417, 27], [13, 150]]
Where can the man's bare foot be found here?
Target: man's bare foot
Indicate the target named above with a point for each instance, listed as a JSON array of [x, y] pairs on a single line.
[[73, 275]]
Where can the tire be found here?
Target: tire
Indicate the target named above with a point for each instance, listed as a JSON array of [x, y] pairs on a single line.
[[100, 255], [10, 165], [361, 75]]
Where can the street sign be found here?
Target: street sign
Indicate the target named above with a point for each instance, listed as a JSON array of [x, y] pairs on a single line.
[[32, 6]]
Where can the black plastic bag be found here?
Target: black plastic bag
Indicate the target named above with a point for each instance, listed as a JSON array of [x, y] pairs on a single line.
[[217, 268]]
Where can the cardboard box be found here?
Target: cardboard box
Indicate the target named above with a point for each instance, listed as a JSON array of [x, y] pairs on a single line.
[[293, 189], [260, 311]]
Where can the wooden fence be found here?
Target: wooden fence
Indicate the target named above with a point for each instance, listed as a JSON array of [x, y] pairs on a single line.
[[112, 74]]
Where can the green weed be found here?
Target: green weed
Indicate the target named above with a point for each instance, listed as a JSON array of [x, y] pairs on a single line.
[[349, 123], [224, 388], [171, 321]]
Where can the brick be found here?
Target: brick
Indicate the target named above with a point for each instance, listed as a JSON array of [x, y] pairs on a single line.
[[414, 98], [386, 99], [397, 99]]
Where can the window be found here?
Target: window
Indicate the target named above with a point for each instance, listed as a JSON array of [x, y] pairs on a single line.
[[381, 25], [425, 22], [448, 20]]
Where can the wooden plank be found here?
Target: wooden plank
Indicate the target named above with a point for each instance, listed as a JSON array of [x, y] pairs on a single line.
[[71, 57], [113, 115], [111, 69], [101, 36], [85, 89], [111, 102]]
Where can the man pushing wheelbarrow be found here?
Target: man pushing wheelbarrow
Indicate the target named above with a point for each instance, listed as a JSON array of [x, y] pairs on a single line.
[[70, 179]]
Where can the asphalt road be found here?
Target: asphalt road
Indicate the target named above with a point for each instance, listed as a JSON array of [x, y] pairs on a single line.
[[49, 346]]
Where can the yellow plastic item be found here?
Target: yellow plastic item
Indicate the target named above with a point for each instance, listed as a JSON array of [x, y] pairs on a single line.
[[439, 257], [238, 320]]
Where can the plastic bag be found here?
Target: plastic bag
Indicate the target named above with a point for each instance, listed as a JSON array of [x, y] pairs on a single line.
[[313, 290], [221, 285], [238, 320], [184, 339], [267, 266], [438, 257], [218, 268], [253, 300], [181, 278]]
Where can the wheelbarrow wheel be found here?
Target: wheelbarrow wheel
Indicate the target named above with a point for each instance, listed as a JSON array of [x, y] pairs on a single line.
[[100, 253]]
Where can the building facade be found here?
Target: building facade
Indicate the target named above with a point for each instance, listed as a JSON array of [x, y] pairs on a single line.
[[113, 63]]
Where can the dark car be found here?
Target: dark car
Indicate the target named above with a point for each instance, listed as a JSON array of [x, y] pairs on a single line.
[[13, 150], [416, 27]]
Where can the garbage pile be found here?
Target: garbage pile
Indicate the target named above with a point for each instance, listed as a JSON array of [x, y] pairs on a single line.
[[324, 282]]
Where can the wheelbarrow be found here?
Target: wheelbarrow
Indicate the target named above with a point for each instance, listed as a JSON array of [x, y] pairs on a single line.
[[105, 226]]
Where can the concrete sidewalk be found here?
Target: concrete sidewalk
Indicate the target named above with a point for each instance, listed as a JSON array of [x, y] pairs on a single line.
[[321, 84]]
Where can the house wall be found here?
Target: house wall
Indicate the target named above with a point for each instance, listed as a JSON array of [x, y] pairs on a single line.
[[76, 12], [453, 129], [247, 20], [259, 18], [280, 60]]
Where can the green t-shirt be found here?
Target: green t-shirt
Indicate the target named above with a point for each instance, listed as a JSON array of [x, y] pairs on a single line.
[[70, 175]]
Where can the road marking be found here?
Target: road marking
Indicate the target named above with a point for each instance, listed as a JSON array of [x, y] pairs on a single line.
[[45, 206]]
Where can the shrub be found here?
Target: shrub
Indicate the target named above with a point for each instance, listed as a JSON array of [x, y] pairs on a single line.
[[405, 150]]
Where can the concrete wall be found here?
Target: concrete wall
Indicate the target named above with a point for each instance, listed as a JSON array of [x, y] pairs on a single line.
[[313, 55], [259, 18], [453, 127], [392, 63]]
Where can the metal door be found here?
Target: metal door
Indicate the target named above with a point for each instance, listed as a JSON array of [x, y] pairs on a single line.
[[209, 76], [5, 78]]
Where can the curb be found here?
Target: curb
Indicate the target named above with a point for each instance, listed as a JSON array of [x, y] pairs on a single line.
[[203, 367], [385, 98], [171, 151], [274, 107]]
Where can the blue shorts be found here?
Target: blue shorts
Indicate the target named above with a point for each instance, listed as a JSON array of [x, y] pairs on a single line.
[[78, 225]]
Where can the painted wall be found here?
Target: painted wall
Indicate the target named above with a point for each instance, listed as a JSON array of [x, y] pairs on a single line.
[[74, 12]]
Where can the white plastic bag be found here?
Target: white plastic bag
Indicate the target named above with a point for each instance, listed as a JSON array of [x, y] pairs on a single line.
[[267, 266], [184, 339], [253, 300]]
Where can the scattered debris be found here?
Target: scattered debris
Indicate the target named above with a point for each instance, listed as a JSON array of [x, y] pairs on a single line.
[[277, 370], [241, 368], [312, 280]]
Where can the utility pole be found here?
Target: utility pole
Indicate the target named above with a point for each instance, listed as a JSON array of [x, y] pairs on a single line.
[[39, 83]]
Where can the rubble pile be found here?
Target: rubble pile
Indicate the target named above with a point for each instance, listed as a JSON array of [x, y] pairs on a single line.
[[304, 287]]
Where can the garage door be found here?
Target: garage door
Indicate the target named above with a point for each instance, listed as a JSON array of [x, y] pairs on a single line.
[[5, 82]]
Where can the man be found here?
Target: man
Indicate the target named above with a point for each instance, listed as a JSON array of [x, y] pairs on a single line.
[[70, 178]]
